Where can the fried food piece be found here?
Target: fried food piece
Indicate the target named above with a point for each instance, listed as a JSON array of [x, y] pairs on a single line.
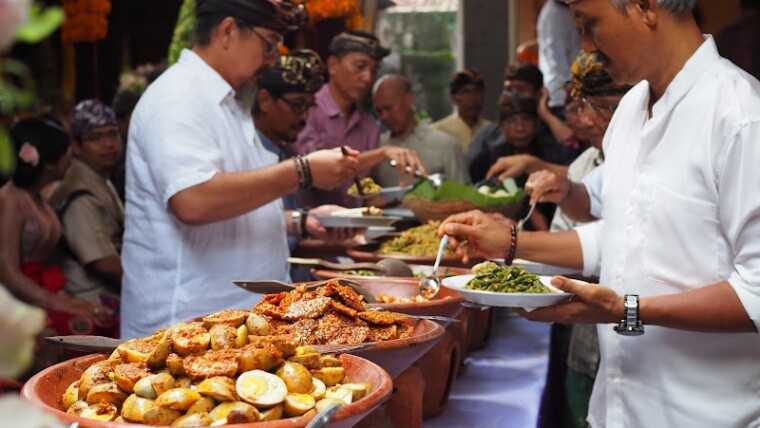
[[382, 317], [345, 310], [307, 308], [405, 331], [351, 297], [126, 375], [340, 330], [223, 362], [190, 338], [285, 343], [223, 336], [378, 333], [305, 330]]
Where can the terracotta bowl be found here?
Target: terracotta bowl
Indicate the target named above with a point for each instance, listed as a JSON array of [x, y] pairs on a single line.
[[397, 355], [46, 388], [366, 253], [447, 303], [424, 269]]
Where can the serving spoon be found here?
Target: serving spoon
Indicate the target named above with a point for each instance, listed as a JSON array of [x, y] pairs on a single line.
[[430, 285]]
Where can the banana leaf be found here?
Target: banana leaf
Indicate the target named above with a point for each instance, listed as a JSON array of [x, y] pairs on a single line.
[[42, 22], [453, 190]]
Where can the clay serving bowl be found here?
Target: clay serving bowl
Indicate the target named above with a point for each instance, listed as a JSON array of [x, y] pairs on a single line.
[[46, 389], [425, 270], [366, 253], [447, 303]]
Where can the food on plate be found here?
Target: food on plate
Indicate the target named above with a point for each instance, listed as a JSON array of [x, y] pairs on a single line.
[[358, 212], [417, 241], [369, 187], [208, 376], [505, 279]]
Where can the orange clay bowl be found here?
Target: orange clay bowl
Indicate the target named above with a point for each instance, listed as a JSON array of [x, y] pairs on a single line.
[[397, 355], [447, 303], [423, 269], [366, 253], [46, 388]]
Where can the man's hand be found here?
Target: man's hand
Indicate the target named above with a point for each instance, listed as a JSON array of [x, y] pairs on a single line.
[[513, 166], [316, 230], [475, 234], [404, 158], [547, 186], [591, 304], [329, 168]]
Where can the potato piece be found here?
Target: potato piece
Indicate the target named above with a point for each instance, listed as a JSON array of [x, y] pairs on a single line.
[[194, 420], [183, 382], [298, 404], [204, 405], [178, 399], [157, 358], [161, 416], [100, 412], [71, 395], [310, 361], [242, 336], [94, 375], [126, 375], [253, 358], [232, 317], [260, 388], [106, 392], [77, 408], [119, 420], [175, 364], [144, 388], [297, 378], [115, 358], [244, 412], [152, 386], [329, 361], [221, 388], [190, 338], [139, 350], [327, 402], [272, 413], [134, 408], [358, 390], [340, 393], [257, 325], [223, 336], [330, 375], [284, 343], [319, 389]]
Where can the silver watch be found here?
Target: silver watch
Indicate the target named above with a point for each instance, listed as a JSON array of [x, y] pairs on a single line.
[[631, 325]]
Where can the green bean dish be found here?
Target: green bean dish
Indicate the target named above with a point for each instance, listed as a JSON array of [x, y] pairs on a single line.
[[505, 279]]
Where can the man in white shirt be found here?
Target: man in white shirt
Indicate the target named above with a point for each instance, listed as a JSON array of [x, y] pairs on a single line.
[[203, 195], [680, 227], [558, 43]]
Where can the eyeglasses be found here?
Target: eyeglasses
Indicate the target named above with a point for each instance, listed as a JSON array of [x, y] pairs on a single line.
[[299, 108], [518, 120], [596, 109], [271, 49], [101, 136]]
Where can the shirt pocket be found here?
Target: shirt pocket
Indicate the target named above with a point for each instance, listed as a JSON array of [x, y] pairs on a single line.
[[680, 239]]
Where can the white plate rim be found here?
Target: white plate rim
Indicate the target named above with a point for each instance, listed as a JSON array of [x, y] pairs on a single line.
[[509, 300]]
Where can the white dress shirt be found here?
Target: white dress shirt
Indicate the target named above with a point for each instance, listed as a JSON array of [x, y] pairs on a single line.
[[186, 128], [681, 211], [559, 42]]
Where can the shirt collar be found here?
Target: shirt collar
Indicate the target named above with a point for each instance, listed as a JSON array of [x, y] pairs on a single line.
[[218, 88], [702, 59], [326, 101]]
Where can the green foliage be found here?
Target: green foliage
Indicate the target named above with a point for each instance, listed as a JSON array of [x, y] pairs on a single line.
[[7, 160], [183, 31], [42, 22]]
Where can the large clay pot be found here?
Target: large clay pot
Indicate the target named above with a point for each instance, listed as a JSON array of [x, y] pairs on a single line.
[[404, 408], [439, 367], [366, 253], [46, 389], [481, 321]]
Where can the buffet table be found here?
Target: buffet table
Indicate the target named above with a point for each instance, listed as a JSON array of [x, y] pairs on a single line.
[[501, 385]]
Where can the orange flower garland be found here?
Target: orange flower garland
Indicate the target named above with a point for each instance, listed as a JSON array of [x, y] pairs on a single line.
[[85, 20], [330, 9]]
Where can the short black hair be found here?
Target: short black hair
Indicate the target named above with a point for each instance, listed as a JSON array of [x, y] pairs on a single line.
[[514, 104], [46, 134], [525, 72], [464, 78]]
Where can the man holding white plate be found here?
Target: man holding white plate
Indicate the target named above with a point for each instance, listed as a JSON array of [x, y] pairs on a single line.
[[679, 243]]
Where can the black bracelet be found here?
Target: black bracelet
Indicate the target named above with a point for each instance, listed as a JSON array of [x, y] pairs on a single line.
[[307, 171], [300, 172], [304, 215]]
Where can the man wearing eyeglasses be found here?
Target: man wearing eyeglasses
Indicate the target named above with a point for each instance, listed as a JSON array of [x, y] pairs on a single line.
[[203, 194], [678, 243]]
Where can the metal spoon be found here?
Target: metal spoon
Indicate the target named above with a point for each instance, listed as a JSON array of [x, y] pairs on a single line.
[[323, 418], [430, 285], [522, 221], [396, 267]]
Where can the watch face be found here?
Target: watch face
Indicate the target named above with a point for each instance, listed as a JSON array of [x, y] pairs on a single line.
[[629, 330]]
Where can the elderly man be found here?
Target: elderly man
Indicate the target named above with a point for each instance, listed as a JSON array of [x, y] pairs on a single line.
[[91, 212], [439, 153], [339, 120], [678, 243], [467, 91], [204, 196]]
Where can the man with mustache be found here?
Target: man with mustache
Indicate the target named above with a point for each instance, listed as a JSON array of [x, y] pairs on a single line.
[[678, 244]]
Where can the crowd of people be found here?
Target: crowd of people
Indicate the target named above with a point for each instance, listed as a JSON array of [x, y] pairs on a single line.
[[638, 150]]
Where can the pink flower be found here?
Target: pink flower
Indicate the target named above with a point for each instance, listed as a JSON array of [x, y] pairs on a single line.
[[29, 154]]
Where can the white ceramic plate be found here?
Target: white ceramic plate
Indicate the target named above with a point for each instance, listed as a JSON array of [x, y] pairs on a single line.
[[389, 193], [364, 221], [539, 268], [507, 300]]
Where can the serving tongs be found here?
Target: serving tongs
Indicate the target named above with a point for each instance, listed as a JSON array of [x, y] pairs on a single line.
[[436, 179], [101, 344]]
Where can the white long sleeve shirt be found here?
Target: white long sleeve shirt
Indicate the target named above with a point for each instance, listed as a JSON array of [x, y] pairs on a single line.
[[559, 42], [187, 128], [681, 200]]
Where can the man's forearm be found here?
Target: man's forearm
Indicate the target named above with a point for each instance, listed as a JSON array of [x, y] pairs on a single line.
[[368, 160], [577, 203], [554, 248]]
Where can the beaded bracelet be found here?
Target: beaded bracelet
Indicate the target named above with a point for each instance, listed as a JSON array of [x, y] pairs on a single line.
[[300, 172], [512, 246], [307, 171], [304, 217]]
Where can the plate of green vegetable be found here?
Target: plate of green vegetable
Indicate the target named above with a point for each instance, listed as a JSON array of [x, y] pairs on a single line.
[[506, 286]]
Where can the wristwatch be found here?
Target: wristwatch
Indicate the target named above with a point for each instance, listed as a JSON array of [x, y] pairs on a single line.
[[631, 325]]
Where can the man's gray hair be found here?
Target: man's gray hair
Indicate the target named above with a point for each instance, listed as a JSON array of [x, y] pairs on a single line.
[[676, 7]]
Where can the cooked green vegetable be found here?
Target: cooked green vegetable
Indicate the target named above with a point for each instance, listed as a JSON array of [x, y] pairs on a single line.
[[505, 279]]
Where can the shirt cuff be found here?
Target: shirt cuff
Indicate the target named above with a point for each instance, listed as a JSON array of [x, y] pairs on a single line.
[[589, 235], [749, 296]]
